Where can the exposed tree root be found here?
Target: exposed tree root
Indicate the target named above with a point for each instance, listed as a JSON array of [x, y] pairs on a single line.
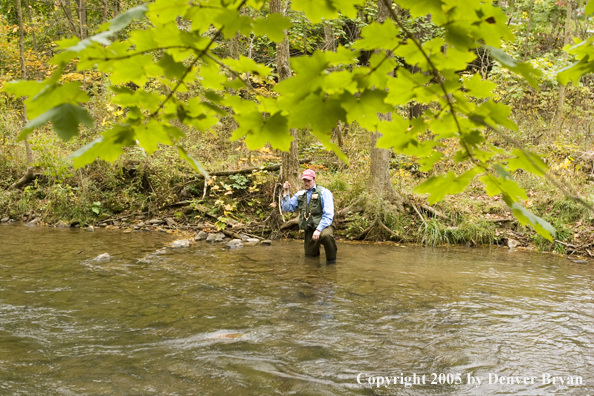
[[29, 175], [377, 223]]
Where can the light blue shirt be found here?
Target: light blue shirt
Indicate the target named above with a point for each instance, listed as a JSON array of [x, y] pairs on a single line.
[[290, 204]]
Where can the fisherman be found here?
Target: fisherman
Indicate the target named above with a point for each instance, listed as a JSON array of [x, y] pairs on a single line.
[[316, 212]]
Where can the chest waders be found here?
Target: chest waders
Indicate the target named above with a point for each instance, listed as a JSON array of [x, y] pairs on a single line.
[[310, 214]]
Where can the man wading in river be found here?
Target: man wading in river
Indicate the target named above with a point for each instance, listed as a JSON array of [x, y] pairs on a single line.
[[316, 212]]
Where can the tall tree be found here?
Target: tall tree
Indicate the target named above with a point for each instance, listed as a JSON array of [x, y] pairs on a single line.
[[29, 174], [33, 36], [558, 124], [290, 159], [81, 8], [330, 45], [379, 175]]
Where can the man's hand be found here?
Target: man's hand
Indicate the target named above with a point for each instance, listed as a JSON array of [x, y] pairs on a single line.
[[286, 187], [316, 235]]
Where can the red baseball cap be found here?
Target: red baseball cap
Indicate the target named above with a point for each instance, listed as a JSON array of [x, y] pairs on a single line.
[[308, 174]]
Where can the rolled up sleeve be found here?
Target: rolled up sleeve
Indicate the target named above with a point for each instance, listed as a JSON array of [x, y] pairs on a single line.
[[289, 204]]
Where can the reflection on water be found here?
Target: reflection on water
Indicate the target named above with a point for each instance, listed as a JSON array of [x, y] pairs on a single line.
[[268, 321]]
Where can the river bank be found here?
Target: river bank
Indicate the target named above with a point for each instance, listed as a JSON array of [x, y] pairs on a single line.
[[161, 192], [504, 233]]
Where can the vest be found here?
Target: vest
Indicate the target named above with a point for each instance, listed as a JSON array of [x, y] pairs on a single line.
[[310, 213]]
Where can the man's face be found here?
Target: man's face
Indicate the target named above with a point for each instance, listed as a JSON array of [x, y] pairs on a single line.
[[308, 183]]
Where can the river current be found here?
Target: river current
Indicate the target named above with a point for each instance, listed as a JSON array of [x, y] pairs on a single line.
[[265, 320]]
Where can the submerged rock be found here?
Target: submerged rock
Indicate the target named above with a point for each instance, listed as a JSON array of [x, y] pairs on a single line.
[[180, 243], [234, 244], [201, 236], [103, 257], [33, 222], [512, 243], [215, 237], [266, 242]]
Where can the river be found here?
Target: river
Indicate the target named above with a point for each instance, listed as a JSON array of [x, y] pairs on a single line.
[[265, 320]]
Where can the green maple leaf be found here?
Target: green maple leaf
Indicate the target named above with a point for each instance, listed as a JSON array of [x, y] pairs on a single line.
[[396, 135], [378, 36], [439, 186], [315, 10], [259, 130], [525, 217], [364, 109], [108, 147], [273, 26], [150, 135], [171, 68], [348, 8], [232, 22], [420, 8], [64, 118], [527, 161], [478, 87], [318, 111], [136, 69], [164, 11]]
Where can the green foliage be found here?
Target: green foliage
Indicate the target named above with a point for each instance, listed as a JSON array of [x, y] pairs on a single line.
[[178, 53]]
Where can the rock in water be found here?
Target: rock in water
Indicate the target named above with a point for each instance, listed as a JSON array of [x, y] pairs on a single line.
[[33, 222], [215, 237], [251, 242], [201, 236], [266, 242], [103, 257], [180, 243], [512, 243], [234, 244]]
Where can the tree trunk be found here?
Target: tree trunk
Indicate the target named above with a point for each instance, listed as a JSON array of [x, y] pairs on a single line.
[[28, 151], [379, 175], [104, 16], [33, 36], [558, 124], [329, 40], [290, 160], [528, 30], [66, 6], [81, 8]]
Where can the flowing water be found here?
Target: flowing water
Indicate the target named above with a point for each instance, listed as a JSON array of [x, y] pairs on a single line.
[[268, 321]]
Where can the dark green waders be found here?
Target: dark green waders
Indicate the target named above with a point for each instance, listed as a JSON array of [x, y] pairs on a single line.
[[312, 248]]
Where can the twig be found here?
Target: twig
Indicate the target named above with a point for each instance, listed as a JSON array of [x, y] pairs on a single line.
[[280, 211], [364, 233], [205, 187], [389, 230], [565, 244], [420, 215]]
